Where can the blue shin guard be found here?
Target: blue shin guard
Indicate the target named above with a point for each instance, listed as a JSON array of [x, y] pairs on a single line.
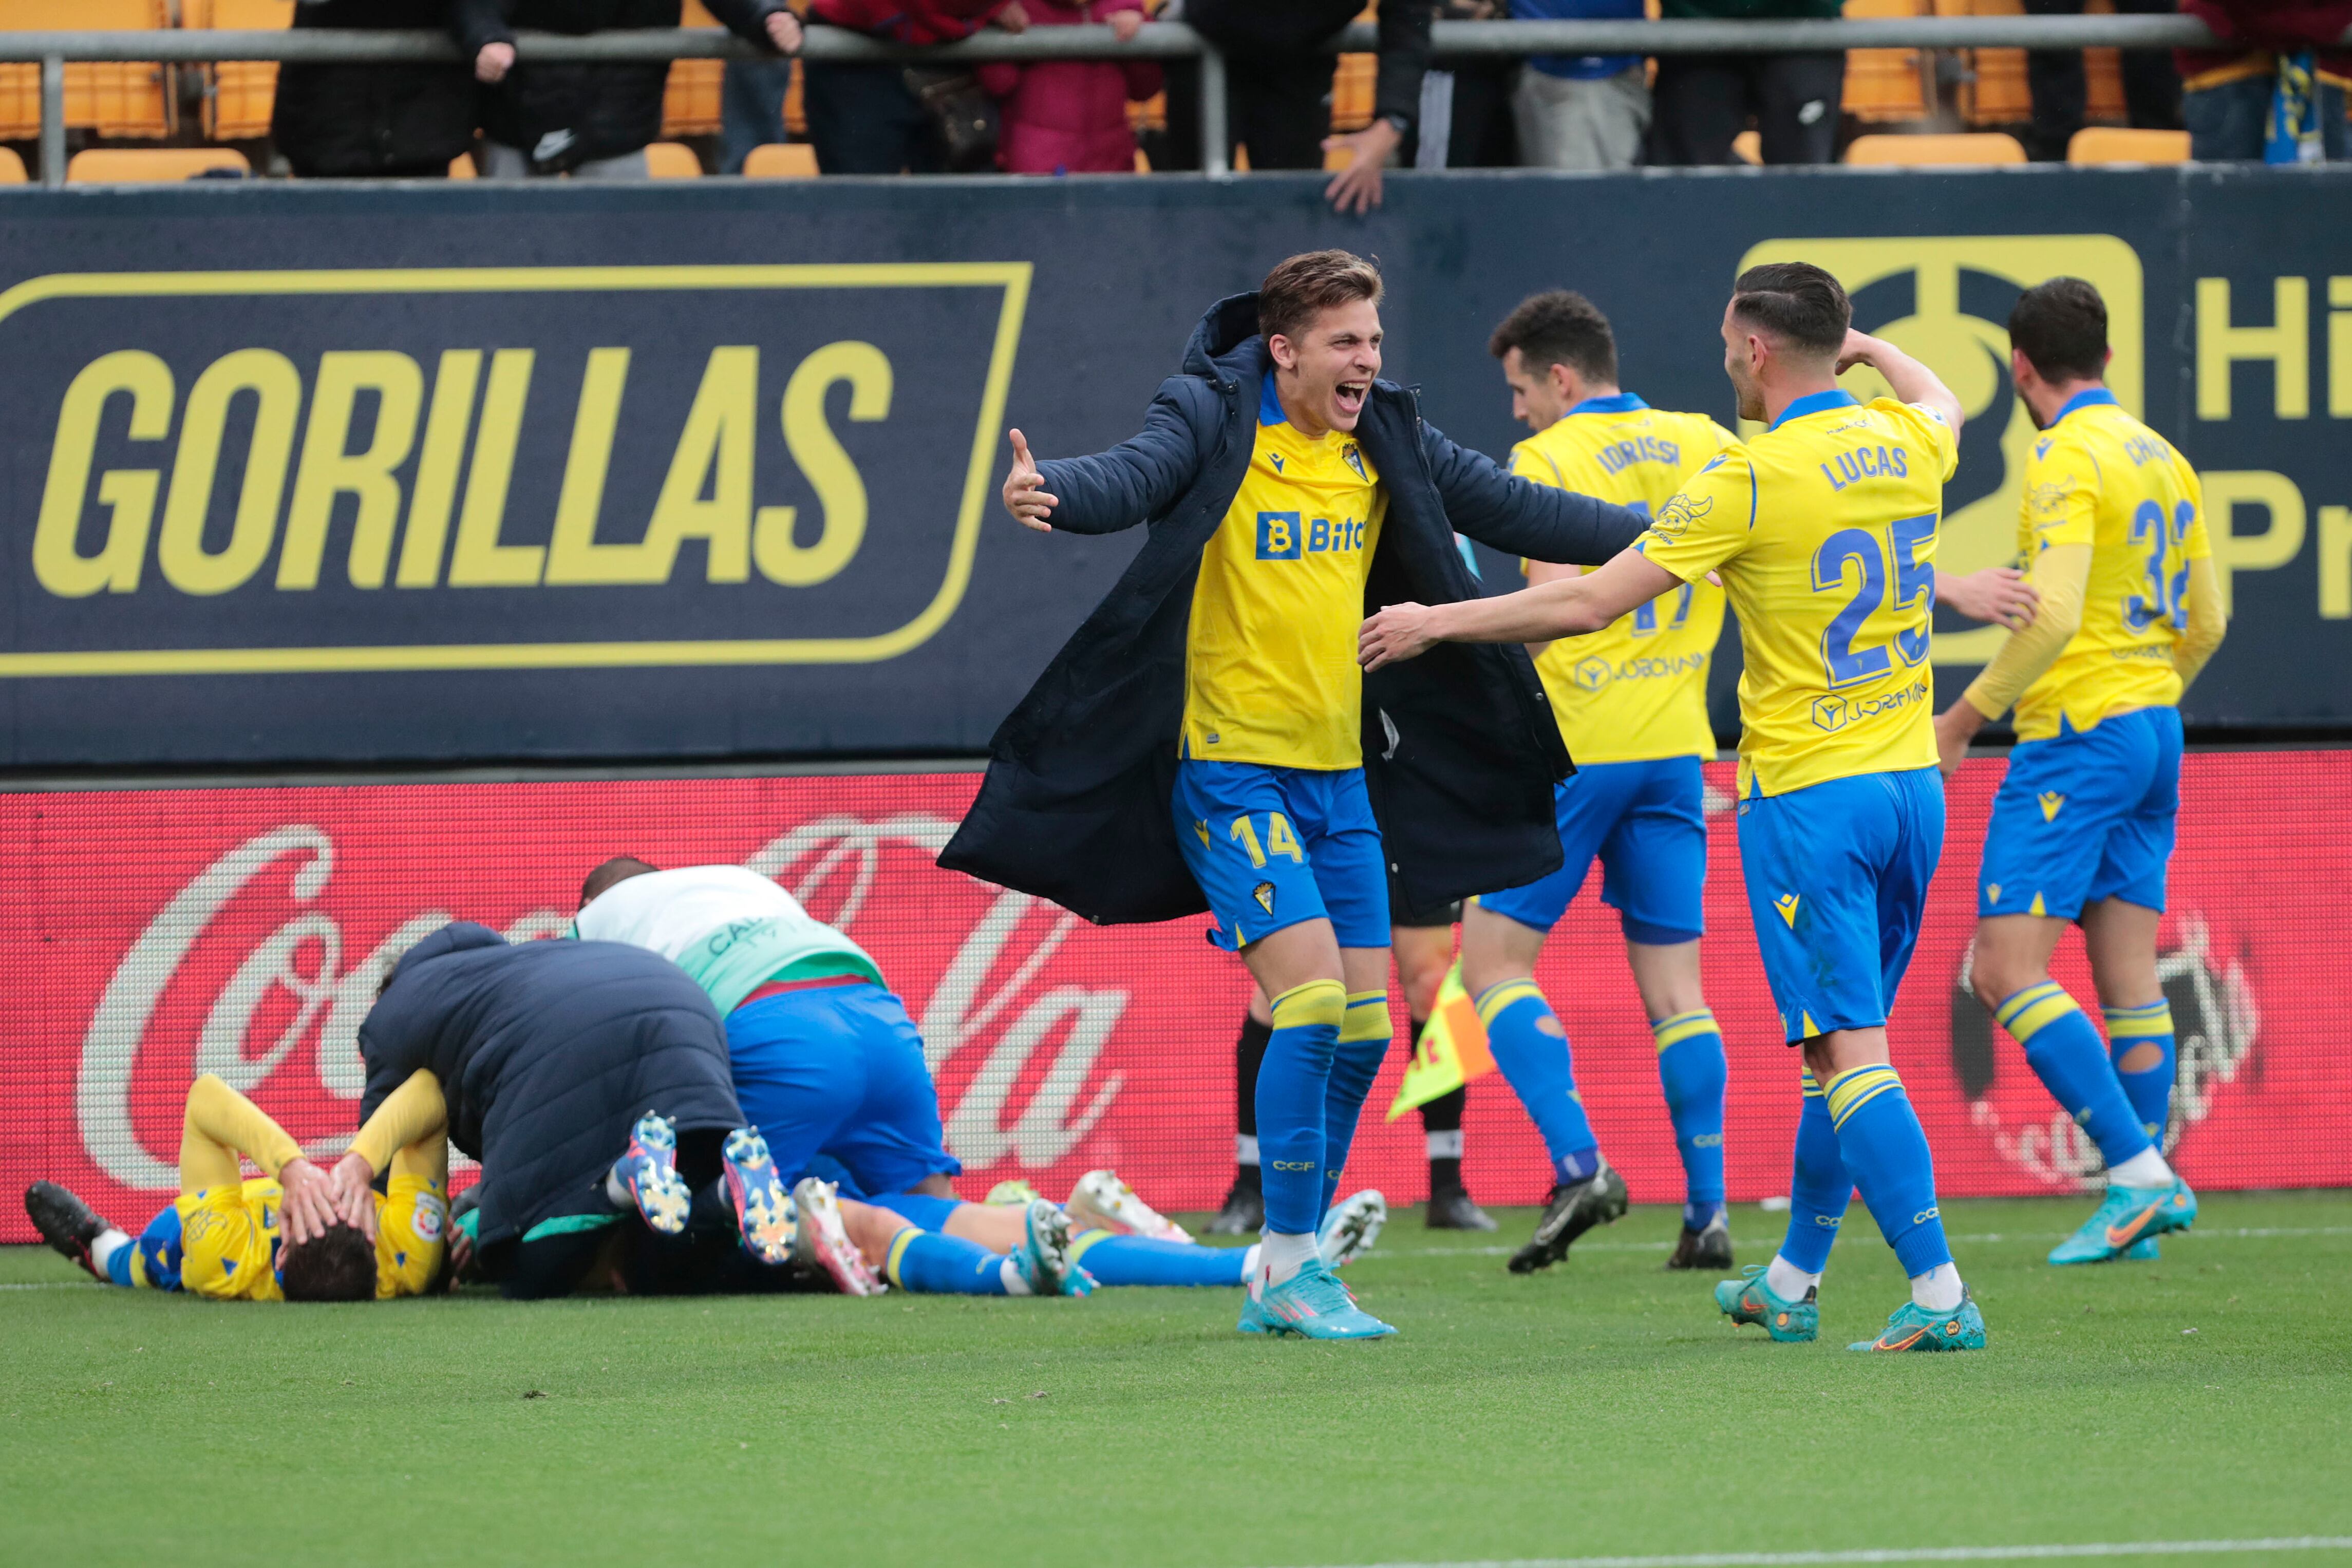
[[1692, 1071], [1364, 1036], [1819, 1187], [1885, 1149], [1531, 1047], [1293, 1085], [2139, 1043]]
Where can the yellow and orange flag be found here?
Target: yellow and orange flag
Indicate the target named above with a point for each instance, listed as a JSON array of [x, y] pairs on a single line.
[[1451, 1050]]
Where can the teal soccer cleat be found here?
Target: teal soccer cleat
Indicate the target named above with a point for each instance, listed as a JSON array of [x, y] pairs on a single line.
[[764, 1216], [2143, 1250], [2127, 1216], [1312, 1305], [649, 1170], [1749, 1300], [1043, 1257], [1914, 1327]]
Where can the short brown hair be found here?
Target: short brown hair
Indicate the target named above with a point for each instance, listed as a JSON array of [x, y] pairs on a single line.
[[1304, 287], [2060, 328], [338, 1266], [1559, 326], [1796, 302], [614, 871]]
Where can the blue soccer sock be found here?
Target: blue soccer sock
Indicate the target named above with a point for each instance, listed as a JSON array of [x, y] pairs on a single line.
[[1116, 1259], [1293, 1085], [2065, 1052], [2132, 1034], [1885, 1149], [928, 1263], [1529, 1044], [1691, 1070], [1819, 1187], [1363, 1044]]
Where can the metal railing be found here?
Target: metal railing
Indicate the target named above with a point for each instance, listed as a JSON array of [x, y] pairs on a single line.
[[1156, 40]]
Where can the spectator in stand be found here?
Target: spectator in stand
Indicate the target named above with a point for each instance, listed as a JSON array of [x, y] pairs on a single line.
[[871, 119], [1582, 111], [1465, 118], [589, 119], [1069, 116], [1701, 102], [751, 108], [1278, 86], [2276, 52], [2057, 79], [356, 121]]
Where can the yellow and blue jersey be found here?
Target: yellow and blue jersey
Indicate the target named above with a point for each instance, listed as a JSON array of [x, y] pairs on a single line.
[[1634, 691], [1270, 673], [222, 1241], [1823, 530], [2100, 478]]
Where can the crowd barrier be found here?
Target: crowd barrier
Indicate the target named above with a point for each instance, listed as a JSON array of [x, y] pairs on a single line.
[[154, 935]]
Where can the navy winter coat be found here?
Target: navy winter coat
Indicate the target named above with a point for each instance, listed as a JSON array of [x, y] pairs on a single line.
[[1461, 750], [548, 1053]]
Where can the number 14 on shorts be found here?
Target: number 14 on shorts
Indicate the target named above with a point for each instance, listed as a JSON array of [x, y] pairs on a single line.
[[1277, 838]]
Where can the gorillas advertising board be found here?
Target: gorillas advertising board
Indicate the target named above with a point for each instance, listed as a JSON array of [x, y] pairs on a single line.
[[333, 473], [152, 935]]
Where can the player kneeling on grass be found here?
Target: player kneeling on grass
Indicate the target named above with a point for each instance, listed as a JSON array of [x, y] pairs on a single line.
[[295, 1234]]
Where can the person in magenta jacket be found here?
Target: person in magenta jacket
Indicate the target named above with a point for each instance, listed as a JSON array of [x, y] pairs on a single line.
[[1069, 116]]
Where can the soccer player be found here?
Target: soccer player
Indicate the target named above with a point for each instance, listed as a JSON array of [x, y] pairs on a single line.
[[1206, 738], [2113, 529], [1823, 532], [296, 1233]]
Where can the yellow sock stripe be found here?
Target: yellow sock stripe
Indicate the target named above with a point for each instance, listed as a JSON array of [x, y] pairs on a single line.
[[2139, 1023], [1813, 1085], [1316, 1002], [1500, 996], [1682, 1026], [1850, 1091], [898, 1244], [1368, 1016], [2034, 1008], [1083, 1240]]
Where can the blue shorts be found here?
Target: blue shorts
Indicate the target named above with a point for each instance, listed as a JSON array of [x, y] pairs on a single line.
[[838, 1070], [1647, 822], [1274, 846], [1837, 879], [2082, 816]]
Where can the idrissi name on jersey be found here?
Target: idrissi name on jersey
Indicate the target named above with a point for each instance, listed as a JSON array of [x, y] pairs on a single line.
[[2100, 478], [1835, 594], [1270, 673], [1634, 691], [730, 927]]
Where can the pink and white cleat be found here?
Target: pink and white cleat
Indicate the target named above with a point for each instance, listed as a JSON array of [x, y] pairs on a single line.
[[1102, 1202], [823, 1241]]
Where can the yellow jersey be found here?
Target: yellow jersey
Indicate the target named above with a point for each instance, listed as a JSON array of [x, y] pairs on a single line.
[[1634, 691], [1823, 532], [229, 1239], [2100, 478], [1270, 673]]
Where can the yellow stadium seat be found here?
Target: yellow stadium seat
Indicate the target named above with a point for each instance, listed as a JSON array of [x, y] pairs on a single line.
[[1992, 81], [691, 104], [672, 160], [1352, 89], [2105, 71], [1975, 147], [461, 167], [795, 115], [12, 168], [780, 161], [1883, 86], [239, 94], [2112, 145], [149, 165], [131, 100], [1748, 147]]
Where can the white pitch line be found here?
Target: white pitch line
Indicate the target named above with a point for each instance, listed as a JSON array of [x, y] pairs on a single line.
[[1989, 1237], [1916, 1554]]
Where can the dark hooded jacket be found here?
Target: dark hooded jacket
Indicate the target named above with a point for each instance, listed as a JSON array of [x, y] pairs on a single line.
[[548, 1053], [1461, 750]]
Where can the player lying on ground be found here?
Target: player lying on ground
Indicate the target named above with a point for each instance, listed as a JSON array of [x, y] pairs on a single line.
[[1212, 694], [1823, 532], [826, 1060], [296, 1233], [2112, 530]]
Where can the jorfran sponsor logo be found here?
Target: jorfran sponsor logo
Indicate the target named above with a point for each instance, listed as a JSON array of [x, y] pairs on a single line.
[[293, 999]]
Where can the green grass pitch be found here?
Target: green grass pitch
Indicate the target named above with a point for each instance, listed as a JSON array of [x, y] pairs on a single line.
[[1602, 1407]]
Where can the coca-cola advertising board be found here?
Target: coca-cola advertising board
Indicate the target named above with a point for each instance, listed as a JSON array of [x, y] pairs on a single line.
[[156, 934]]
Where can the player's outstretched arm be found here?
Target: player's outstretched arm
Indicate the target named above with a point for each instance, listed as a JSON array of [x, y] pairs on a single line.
[[1566, 607], [1520, 518], [1998, 596], [1911, 380], [1132, 483], [2061, 577]]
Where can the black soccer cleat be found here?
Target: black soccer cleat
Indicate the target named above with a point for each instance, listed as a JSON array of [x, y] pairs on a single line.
[[1454, 1211], [67, 1223], [1569, 1213], [1245, 1210], [1708, 1249]]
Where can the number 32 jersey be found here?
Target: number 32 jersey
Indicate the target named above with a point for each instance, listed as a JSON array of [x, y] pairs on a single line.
[[1823, 532], [2100, 478]]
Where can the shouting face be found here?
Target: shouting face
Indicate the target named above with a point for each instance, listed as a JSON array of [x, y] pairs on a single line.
[[1327, 370]]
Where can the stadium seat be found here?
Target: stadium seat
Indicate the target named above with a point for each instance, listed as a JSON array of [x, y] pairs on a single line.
[[133, 99], [1884, 86], [1748, 147], [2110, 144], [12, 168], [690, 106], [782, 161], [1976, 147], [239, 94], [149, 165], [672, 160], [461, 167]]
